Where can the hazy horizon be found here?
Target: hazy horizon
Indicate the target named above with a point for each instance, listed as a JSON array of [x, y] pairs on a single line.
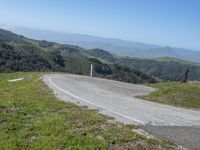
[[10, 28], [169, 23]]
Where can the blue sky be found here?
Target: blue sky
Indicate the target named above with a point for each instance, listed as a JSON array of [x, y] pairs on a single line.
[[162, 22]]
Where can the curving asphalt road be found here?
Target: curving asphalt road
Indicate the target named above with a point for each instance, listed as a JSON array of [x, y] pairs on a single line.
[[117, 99]]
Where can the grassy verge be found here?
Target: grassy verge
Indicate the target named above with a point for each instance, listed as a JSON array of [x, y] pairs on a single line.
[[177, 94], [32, 118]]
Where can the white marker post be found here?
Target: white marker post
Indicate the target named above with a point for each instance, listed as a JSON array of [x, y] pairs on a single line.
[[91, 70]]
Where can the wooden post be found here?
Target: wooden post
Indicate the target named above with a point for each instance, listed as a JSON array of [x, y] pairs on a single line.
[[91, 70], [80, 69]]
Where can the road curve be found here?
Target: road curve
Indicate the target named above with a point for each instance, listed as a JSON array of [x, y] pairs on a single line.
[[117, 99]]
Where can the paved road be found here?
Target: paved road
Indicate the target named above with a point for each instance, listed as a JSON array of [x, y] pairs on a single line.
[[117, 99]]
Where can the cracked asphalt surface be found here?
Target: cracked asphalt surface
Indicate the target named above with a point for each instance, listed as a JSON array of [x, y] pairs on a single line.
[[117, 99]]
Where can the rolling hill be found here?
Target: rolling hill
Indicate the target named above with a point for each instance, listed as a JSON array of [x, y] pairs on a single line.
[[18, 53], [170, 70], [172, 59], [116, 46]]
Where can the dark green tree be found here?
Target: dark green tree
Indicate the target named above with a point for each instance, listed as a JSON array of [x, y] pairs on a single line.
[[185, 76]]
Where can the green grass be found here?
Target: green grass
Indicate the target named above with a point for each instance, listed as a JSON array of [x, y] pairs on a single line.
[[32, 118], [177, 94], [172, 59], [100, 59]]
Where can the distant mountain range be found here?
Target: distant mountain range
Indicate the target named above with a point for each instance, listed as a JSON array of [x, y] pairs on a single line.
[[115, 46], [164, 68], [18, 53]]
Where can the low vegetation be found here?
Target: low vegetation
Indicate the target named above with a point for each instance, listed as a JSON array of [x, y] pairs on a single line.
[[166, 71], [171, 69], [177, 94], [18, 53], [173, 59], [32, 118]]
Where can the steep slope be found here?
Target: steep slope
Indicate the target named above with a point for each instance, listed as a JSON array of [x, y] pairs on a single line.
[[18, 53], [116, 46], [7, 36], [99, 53], [166, 70], [163, 70], [172, 59]]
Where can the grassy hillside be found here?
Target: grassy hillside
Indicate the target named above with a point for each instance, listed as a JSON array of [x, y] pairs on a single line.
[[177, 94], [116, 46], [99, 53], [32, 118], [166, 71], [23, 54], [172, 59], [18, 53], [169, 69]]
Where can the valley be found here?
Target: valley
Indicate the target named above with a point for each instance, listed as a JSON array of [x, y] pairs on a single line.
[[19, 56], [99, 75]]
